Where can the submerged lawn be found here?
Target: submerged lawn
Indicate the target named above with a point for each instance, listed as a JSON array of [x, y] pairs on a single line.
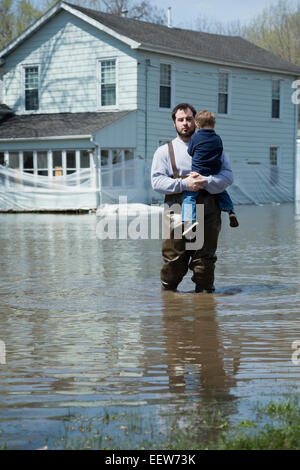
[[275, 426]]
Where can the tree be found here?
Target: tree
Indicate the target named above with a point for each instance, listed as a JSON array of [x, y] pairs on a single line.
[[7, 20], [15, 16], [232, 28], [277, 29], [26, 14], [137, 9]]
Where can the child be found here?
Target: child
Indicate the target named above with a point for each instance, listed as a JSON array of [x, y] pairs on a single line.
[[206, 149]]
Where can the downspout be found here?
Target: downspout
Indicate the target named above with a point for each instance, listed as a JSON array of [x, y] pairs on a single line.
[[147, 64], [97, 160], [296, 159]]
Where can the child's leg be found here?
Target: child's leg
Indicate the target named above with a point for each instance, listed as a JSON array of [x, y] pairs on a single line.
[[225, 202], [226, 205], [189, 201], [189, 213]]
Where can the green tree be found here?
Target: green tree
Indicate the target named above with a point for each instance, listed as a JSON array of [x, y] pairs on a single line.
[[277, 29], [26, 14], [7, 21]]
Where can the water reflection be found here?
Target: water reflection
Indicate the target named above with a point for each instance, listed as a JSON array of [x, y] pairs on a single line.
[[195, 350], [86, 325]]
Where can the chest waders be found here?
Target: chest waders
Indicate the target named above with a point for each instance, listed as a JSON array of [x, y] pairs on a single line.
[[176, 258]]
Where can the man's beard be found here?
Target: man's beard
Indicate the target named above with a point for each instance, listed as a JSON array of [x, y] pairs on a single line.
[[186, 134]]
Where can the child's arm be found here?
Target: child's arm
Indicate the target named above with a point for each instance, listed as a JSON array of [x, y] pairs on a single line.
[[217, 183], [191, 147]]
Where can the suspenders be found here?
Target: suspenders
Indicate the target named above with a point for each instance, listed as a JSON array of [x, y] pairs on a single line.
[[172, 158]]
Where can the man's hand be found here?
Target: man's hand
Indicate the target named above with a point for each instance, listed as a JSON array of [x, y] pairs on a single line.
[[195, 181]]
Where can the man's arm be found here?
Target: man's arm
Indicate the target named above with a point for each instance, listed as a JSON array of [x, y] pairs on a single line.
[[216, 184], [161, 174]]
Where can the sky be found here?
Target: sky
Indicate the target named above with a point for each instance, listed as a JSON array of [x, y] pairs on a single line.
[[184, 13]]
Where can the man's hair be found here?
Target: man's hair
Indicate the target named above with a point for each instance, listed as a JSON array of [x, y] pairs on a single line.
[[184, 107], [205, 118]]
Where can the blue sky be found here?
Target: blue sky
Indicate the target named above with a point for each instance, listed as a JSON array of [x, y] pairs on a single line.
[[184, 13]]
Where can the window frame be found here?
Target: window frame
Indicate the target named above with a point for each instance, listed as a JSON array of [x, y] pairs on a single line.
[[278, 155], [63, 170], [229, 93], [110, 168], [280, 99], [172, 86], [99, 84], [164, 140], [274, 168], [23, 94]]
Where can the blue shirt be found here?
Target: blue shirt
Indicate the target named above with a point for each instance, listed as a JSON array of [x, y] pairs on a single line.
[[206, 148], [162, 172]]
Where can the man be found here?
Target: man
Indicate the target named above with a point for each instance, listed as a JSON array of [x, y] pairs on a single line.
[[171, 180]]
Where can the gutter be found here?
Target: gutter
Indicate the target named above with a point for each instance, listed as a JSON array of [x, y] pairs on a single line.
[[34, 139], [221, 62]]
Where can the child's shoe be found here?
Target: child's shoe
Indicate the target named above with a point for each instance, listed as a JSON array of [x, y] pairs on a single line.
[[233, 221]]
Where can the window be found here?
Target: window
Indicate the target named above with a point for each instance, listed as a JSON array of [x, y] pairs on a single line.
[[223, 93], [57, 163], [164, 140], [42, 163], [28, 162], [70, 162], [165, 86], [52, 163], [274, 156], [108, 83], [31, 85], [117, 168], [274, 170], [275, 99], [13, 160], [2, 158], [84, 159]]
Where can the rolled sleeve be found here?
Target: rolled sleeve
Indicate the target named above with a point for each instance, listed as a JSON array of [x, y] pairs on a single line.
[[162, 179]]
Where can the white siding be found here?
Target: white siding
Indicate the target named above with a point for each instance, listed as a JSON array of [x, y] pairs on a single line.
[[247, 132], [68, 50]]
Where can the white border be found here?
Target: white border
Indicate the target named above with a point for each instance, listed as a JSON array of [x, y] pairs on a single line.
[[167, 62], [22, 94], [98, 87], [229, 105]]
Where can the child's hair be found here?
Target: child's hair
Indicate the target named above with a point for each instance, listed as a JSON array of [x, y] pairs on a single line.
[[205, 118]]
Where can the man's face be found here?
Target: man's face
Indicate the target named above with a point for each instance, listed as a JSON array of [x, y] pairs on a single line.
[[184, 123]]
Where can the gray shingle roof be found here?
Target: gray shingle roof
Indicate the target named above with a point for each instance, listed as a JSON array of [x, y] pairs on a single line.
[[192, 43], [56, 125]]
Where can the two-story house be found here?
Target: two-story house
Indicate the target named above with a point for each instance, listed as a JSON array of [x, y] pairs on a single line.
[[87, 98]]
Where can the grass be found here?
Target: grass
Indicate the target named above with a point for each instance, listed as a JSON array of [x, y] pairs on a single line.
[[276, 426]]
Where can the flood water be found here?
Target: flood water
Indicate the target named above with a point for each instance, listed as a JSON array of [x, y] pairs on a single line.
[[86, 326]]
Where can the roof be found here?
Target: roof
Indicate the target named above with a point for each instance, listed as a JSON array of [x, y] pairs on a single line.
[[56, 125], [225, 50], [190, 43]]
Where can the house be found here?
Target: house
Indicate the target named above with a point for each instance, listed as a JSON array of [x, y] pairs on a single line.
[[88, 98], [297, 192]]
